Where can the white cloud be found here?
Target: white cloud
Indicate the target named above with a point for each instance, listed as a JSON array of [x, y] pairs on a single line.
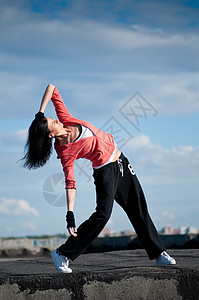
[[167, 14], [181, 161], [165, 218], [16, 207], [17, 228], [168, 215], [170, 94], [13, 142], [87, 36], [28, 226], [13, 138], [95, 62], [98, 62]]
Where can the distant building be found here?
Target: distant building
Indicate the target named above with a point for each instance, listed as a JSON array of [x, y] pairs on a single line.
[[188, 230], [181, 230], [127, 232], [106, 232], [167, 230], [176, 231]]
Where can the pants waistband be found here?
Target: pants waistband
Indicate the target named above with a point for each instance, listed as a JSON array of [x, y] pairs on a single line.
[[110, 165]]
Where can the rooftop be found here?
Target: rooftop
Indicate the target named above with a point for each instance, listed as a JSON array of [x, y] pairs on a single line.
[[127, 274]]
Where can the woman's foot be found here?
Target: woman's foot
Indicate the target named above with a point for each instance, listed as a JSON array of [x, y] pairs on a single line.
[[61, 262], [164, 259]]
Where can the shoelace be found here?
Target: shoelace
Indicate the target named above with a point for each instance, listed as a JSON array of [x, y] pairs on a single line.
[[65, 264], [120, 166]]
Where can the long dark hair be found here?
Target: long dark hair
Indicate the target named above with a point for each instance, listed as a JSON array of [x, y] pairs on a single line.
[[38, 147]]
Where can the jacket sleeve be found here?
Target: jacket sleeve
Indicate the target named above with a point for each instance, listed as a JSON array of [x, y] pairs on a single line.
[[60, 108], [68, 168]]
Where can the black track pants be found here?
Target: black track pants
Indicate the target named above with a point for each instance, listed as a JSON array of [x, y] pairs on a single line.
[[117, 181]]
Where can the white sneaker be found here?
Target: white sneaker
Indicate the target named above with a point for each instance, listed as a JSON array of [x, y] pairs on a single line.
[[61, 262], [164, 259]]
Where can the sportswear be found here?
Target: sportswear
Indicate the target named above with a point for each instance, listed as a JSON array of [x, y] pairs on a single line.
[[113, 182], [61, 262], [85, 132], [97, 148], [165, 259]]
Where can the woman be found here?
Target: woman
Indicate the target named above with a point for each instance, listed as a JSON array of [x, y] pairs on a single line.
[[113, 175]]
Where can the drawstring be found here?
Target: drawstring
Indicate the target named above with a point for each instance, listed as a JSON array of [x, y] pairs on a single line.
[[120, 166]]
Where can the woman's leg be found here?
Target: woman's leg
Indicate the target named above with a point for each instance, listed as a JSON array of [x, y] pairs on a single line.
[[131, 197], [106, 179]]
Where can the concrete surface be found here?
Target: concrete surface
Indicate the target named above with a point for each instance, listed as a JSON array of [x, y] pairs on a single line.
[[20, 247], [112, 275]]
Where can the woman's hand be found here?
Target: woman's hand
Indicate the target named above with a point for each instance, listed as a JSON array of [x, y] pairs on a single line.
[[72, 231], [70, 219], [46, 97]]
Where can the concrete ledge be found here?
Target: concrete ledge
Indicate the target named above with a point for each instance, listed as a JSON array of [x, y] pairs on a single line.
[[27, 247], [115, 275]]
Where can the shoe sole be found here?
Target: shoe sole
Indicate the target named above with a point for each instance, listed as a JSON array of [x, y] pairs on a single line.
[[68, 270], [171, 263]]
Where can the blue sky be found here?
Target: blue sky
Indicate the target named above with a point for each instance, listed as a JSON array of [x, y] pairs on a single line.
[[101, 54]]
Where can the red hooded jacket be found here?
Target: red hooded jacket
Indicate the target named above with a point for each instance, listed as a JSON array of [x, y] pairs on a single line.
[[97, 148]]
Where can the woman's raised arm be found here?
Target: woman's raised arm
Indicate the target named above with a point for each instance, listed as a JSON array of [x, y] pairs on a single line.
[[46, 97]]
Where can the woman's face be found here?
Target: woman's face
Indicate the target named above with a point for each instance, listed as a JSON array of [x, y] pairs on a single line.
[[54, 126]]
